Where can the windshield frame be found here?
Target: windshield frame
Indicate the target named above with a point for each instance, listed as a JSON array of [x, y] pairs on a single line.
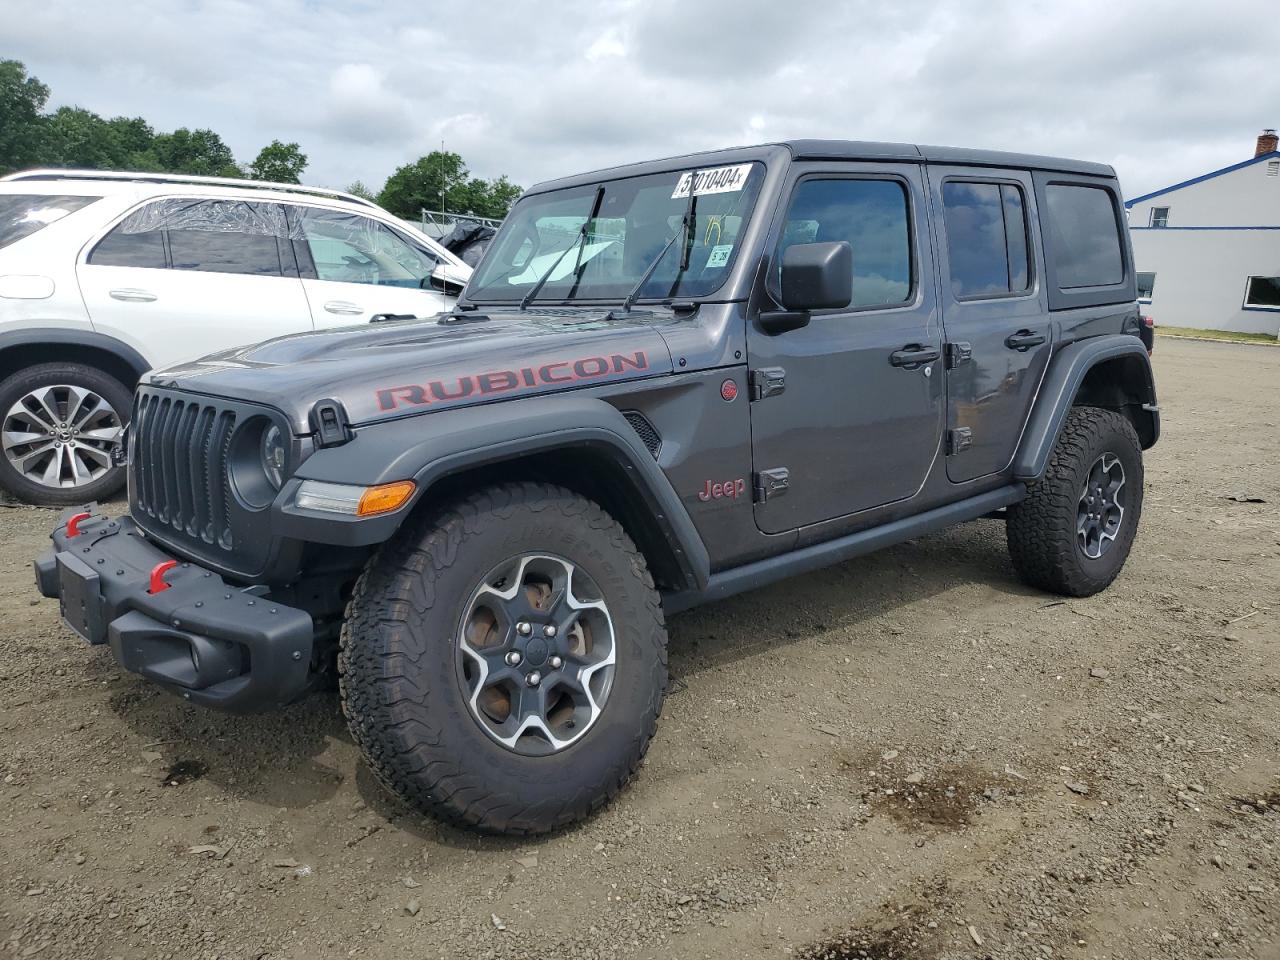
[[748, 232]]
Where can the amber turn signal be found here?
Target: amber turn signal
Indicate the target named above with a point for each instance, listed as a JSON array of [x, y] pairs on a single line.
[[384, 498]]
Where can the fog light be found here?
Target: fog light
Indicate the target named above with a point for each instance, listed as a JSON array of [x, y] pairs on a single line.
[[351, 499]]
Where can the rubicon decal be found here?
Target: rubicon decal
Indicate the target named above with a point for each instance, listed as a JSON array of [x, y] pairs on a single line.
[[480, 385], [719, 489]]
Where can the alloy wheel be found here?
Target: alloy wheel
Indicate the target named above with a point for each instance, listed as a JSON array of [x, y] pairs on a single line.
[[61, 435], [1101, 508], [536, 654]]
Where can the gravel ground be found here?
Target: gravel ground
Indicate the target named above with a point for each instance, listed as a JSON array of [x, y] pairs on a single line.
[[907, 756]]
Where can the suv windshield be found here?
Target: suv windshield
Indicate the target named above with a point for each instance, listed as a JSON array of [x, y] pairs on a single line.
[[635, 218], [23, 214]]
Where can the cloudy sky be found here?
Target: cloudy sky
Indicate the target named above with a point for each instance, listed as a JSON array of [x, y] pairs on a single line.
[[1163, 91]]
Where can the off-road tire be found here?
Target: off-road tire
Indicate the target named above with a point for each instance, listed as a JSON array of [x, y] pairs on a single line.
[[119, 396], [1041, 529], [398, 676]]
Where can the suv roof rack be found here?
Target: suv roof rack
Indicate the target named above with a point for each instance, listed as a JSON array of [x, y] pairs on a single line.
[[131, 176]]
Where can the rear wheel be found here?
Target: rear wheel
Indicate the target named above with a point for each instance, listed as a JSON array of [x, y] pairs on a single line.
[[503, 665], [1073, 532], [61, 423]]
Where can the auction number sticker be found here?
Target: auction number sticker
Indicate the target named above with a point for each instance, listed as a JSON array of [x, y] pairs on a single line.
[[717, 180]]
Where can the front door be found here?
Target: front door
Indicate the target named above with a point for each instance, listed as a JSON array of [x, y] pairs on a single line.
[[996, 313], [858, 419]]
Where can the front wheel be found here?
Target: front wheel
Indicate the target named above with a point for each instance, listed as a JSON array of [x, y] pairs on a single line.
[[503, 664], [61, 424], [1072, 533]]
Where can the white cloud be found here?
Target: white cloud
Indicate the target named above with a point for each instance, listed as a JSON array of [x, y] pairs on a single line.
[[1162, 91]]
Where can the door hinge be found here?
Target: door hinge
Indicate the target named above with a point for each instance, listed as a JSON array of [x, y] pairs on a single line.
[[767, 382], [959, 440], [958, 353], [768, 484]]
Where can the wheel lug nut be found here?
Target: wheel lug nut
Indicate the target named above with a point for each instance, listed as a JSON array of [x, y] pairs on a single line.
[[524, 629], [556, 663], [549, 630], [513, 658], [533, 679]]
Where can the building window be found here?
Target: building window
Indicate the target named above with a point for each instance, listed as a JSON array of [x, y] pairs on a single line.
[[1262, 293], [1273, 168], [1159, 216], [1146, 285]]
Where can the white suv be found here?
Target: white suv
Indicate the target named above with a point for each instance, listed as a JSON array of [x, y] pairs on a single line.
[[106, 275]]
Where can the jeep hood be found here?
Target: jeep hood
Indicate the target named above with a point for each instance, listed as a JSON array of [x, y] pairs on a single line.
[[385, 370]]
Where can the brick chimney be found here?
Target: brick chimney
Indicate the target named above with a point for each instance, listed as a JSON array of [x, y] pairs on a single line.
[[1266, 142]]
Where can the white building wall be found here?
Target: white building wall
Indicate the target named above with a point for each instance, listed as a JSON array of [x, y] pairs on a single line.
[[1242, 198], [1201, 275]]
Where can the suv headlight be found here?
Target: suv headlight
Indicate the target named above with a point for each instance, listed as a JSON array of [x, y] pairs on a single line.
[[274, 456]]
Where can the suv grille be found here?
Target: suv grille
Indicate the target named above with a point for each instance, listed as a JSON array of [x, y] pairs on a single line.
[[179, 459]]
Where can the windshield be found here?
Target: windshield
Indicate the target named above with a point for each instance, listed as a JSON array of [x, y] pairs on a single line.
[[636, 217]]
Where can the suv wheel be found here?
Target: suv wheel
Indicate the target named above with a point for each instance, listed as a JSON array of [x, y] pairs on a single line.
[[1072, 533], [61, 422], [503, 664]]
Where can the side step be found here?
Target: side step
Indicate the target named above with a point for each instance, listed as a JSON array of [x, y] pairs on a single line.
[[749, 576]]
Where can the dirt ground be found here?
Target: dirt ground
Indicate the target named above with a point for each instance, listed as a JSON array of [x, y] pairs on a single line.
[[907, 756]]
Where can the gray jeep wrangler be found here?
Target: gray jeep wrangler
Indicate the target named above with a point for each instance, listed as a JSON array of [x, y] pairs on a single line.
[[665, 384]]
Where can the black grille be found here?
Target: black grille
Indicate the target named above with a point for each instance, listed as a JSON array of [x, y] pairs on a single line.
[[645, 430], [179, 463]]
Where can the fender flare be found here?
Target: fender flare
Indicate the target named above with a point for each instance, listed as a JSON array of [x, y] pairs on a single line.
[[61, 336], [429, 447], [1067, 370]]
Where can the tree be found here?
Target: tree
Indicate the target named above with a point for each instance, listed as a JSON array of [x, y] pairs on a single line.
[[358, 189], [440, 180], [199, 152], [22, 99], [279, 163], [75, 137]]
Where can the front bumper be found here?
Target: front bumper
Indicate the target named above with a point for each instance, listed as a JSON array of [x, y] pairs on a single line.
[[208, 641]]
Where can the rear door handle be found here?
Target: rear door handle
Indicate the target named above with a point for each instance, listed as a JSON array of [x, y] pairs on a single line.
[[1024, 340], [344, 308], [132, 295], [914, 355]]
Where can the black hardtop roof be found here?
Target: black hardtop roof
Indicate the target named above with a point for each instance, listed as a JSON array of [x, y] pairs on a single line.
[[839, 150]]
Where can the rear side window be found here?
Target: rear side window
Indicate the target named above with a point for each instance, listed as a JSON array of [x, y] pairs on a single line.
[[23, 214], [986, 239], [1086, 234], [871, 215], [212, 236]]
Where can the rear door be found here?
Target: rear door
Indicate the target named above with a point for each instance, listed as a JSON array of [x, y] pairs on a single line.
[[181, 277], [995, 311], [857, 417], [355, 268]]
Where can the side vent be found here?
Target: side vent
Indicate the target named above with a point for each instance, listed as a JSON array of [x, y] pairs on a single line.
[[645, 430]]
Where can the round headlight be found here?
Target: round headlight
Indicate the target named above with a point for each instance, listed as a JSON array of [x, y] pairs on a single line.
[[273, 455]]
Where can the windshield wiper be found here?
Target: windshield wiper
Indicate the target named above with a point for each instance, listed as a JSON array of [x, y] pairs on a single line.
[[577, 244], [688, 229]]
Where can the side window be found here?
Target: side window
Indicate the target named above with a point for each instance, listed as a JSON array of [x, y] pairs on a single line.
[[120, 248], [986, 239], [1086, 235], [211, 236], [349, 248], [872, 216]]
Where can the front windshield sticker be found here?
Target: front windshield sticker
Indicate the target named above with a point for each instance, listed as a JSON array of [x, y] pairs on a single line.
[[719, 255], [718, 180]]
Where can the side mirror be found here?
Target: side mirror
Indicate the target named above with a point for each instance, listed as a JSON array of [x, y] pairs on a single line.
[[815, 276]]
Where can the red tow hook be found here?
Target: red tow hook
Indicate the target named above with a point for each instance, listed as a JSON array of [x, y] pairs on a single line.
[[73, 525], [157, 576]]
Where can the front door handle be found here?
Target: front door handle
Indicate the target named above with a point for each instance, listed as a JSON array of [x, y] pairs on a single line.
[[344, 308], [132, 295], [1024, 340], [914, 355]]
